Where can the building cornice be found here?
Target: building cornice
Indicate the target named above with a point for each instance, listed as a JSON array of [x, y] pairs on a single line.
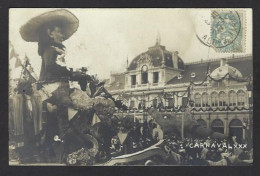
[[241, 57]]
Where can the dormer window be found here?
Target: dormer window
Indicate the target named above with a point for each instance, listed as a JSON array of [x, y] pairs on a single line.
[[144, 74], [133, 80], [180, 76], [193, 75], [144, 78], [155, 77]]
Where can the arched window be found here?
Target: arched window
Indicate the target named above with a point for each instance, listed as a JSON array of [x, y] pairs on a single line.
[[222, 99], [241, 98], [236, 129], [205, 100], [144, 75], [232, 98], [197, 100], [218, 126], [214, 99], [202, 123]]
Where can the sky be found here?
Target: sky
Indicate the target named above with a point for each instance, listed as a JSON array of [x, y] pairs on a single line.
[[107, 37]]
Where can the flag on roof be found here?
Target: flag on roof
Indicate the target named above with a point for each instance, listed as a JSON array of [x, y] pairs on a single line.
[[18, 63], [12, 54], [31, 78], [27, 61]]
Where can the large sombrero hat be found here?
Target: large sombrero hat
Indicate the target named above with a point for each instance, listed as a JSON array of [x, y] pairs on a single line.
[[68, 21]]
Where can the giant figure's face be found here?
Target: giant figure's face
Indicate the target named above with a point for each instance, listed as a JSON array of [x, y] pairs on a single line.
[[56, 35]]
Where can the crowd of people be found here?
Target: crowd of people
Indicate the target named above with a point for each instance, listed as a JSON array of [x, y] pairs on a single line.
[[208, 151], [117, 148], [184, 152], [188, 151]]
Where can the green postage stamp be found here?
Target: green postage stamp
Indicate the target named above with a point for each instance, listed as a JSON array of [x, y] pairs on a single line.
[[228, 31]]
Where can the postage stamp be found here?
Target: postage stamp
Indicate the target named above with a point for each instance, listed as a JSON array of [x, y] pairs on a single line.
[[228, 31]]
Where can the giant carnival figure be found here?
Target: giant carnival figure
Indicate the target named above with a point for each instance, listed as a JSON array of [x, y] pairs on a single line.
[[76, 111]]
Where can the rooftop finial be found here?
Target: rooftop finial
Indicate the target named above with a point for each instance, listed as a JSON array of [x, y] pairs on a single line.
[[158, 39], [127, 62]]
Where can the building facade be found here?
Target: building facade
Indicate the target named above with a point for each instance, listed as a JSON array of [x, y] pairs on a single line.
[[220, 90]]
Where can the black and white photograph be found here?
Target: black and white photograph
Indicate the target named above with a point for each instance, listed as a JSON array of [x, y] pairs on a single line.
[[130, 87]]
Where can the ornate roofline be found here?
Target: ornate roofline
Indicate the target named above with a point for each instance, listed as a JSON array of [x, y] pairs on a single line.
[[242, 57]]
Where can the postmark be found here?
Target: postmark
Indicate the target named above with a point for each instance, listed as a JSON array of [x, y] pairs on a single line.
[[222, 30]]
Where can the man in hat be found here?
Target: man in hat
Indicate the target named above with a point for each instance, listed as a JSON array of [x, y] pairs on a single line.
[[50, 30]]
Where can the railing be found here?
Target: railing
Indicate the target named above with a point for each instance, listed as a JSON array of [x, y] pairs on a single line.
[[217, 59], [143, 85]]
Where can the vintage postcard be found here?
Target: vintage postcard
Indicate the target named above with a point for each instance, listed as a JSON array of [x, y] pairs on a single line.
[[139, 87]]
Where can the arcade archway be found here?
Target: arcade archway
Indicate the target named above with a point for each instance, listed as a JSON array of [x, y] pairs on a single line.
[[236, 129], [202, 122], [218, 126]]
